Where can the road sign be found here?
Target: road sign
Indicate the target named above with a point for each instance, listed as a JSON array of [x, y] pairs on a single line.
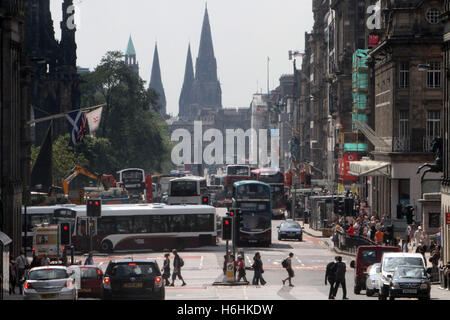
[[230, 272]]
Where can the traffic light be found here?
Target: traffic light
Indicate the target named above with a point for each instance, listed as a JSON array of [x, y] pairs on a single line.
[[64, 232], [338, 206], [227, 228], [94, 207], [239, 220], [205, 200], [231, 213], [409, 214]]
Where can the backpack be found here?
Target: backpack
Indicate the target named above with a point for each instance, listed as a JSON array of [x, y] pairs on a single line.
[[181, 262], [284, 263]]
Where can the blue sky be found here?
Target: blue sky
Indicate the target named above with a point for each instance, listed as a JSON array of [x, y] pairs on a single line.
[[245, 33]]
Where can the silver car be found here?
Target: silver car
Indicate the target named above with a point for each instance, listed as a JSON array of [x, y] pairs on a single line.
[[373, 278], [50, 282]]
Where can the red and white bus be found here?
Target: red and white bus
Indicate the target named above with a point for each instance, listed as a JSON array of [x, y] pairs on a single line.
[[234, 173], [133, 180], [274, 178], [145, 226]]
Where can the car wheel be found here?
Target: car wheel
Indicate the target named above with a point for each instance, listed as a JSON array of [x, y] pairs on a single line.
[[300, 239], [106, 246], [369, 293]]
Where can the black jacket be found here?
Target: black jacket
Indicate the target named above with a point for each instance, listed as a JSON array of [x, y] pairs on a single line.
[[330, 274]]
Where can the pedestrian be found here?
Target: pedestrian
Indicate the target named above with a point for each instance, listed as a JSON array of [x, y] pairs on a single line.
[[89, 260], [330, 276], [166, 269], [36, 262], [22, 266], [341, 269], [416, 236], [420, 249], [45, 261], [178, 263], [12, 277], [258, 270], [289, 269], [435, 257], [404, 245], [379, 235], [425, 240], [241, 269]]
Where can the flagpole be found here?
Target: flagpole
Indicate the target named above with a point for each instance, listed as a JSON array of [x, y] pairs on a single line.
[[62, 115]]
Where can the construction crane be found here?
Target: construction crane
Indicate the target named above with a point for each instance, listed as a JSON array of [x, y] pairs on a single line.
[[75, 183]]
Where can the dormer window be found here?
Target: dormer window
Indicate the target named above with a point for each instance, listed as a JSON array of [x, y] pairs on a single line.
[[433, 16]]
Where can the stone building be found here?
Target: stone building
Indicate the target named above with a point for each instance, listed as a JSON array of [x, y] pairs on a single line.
[[445, 187], [201, 91], [14, 113], [55, 81], [408, 73]]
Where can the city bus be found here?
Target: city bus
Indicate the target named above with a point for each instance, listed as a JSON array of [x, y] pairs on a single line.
[[234, 173], [274, 178], [133, 180], [187, 190], [145, 226], [162, 183], [253, 198]]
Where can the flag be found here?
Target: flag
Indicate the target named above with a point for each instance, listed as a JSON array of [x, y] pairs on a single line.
[[77, 123], [93, 119], [41, 173]]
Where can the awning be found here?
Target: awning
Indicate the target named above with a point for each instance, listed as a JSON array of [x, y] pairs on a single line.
[[369, 168]]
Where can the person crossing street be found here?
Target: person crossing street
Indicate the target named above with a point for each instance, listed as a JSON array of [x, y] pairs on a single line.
[[340, 277], [330, 276], [178, 263], [288, 266]]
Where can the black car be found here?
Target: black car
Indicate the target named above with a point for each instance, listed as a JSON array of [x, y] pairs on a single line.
[[410, 282], [133, 279], [290, 230]]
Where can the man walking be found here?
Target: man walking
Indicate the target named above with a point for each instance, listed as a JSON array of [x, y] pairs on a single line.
[[288, 266], [330, 276], [340, 277], [22, 265], [177, 264], [258, 270]]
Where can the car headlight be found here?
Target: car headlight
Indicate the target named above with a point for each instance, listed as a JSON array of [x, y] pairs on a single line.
[[395, 286], [424, 286]]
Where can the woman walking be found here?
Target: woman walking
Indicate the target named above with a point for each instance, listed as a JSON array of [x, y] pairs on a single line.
[[258, 270]]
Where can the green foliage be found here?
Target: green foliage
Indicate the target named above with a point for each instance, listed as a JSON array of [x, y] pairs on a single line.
[[133, 135]]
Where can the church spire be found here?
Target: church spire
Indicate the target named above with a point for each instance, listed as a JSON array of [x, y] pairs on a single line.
[[130, 56], [156, 82], [206, 67], [185, 96]]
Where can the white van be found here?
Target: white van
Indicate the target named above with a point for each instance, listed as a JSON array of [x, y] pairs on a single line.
[[389, 261]]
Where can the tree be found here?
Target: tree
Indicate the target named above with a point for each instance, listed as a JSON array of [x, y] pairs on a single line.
[[138, 136]]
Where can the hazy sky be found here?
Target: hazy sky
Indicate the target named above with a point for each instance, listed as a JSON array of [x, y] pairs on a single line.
[[244, 32]]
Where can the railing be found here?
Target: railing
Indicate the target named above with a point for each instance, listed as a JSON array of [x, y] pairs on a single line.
[[344, 242], [401, 144]]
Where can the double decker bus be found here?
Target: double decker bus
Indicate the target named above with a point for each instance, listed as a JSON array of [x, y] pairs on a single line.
[[254, 200], [146, 226], [274, 178], [234, 173], [187, 190], [133, 180]]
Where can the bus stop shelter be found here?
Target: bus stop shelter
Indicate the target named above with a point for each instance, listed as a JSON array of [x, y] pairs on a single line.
[[5, 243]]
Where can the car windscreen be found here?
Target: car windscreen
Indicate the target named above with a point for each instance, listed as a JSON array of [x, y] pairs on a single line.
[[183, 188], [134, 270], [410, 273], [89, 273], [290, 225], [369, 256], [48, 274], [391, 263]]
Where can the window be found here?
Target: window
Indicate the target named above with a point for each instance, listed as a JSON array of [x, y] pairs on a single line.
[[369, 257], [404, 75], [404, 191], [433, 123], [403, 124], [434, 75], [433, 16]]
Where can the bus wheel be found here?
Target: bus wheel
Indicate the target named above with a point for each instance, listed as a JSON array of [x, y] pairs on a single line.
[[106, 246]]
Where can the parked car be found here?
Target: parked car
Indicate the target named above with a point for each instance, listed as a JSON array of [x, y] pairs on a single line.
[[373, 274], [290, 230], [389, 262], [89, 280], [366, 256], [133, 279], [410, 282], [50, 283]]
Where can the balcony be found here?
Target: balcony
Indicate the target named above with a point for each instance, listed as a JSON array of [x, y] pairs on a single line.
[[401, 144]]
